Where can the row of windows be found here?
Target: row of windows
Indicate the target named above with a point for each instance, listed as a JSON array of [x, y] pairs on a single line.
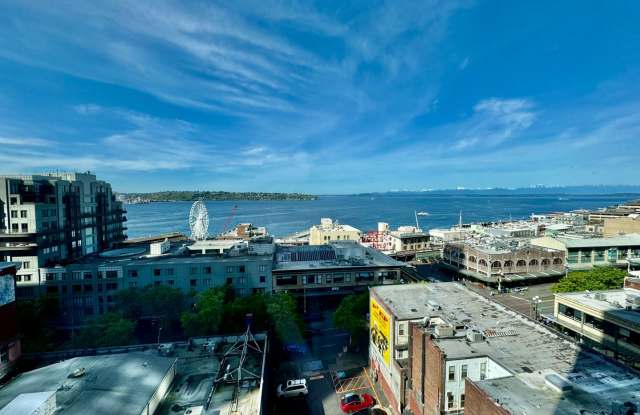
[[464, 372], [22, 227], [14, 214], [338, 278], [451, 402]]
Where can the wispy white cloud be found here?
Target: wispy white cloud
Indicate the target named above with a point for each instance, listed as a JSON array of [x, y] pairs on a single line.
[[25, 141]]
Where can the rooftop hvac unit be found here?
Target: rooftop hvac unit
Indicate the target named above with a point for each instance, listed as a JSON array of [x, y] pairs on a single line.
[[599, 296], [433, 305], [632, 301], [443, 331], [474, 336]]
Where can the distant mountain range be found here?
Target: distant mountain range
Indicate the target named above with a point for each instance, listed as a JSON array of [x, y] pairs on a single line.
[[190, 196], [534, 190]]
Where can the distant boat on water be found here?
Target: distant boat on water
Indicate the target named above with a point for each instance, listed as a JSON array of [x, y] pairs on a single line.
[[423, 213]]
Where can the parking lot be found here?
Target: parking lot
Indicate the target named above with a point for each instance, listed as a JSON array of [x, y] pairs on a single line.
[[325, 391]]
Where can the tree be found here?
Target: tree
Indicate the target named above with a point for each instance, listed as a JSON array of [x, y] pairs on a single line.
[[207, 314], [351, 315], [235, 313], [284, 318], [598, 278], [110, 329], [35, 319]]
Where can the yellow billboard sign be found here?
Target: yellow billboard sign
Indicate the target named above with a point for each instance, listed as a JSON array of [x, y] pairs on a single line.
[[380, 327]]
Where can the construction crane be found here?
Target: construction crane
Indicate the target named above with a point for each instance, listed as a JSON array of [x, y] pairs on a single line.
[[230, 218]]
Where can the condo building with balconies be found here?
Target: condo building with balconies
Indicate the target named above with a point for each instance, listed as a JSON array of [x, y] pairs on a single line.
[[55, 218]]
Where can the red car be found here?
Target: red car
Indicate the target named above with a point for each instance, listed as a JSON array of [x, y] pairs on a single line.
[[352, 402]]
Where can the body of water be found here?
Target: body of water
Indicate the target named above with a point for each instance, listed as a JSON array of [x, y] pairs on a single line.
[[364, 212]]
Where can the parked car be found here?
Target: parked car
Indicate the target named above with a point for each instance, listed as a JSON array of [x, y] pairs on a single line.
[[296, 387], [352, 402]]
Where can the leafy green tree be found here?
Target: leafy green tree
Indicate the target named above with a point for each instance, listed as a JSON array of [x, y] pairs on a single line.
[[207, 314], [235, 313], [351, 315], [284, 318], [598, 278], [110, 329]]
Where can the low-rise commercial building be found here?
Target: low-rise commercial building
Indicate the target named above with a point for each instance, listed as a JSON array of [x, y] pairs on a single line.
[[334, 268], [329, 231], [10, 347], [584, 253], [443, 349], [125, 383], [506, 261], [606, 320], [614, 226]]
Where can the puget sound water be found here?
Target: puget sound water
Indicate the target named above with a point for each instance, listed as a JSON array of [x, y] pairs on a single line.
[[364, 212]]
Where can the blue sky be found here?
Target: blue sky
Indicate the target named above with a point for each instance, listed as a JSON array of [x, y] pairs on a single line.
[[325, 97]]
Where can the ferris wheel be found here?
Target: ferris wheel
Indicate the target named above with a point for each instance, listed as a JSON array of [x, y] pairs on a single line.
[[199, 221]]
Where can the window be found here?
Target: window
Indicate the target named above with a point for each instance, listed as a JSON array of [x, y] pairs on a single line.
[[50, 276], [241, 268], [242, 280], [193, 270], [87, 275], [18, 278], [156, 272], [14, 227], [483, 371], [262, 267], [76, 275], [229, 280], [464, 372], [24, 228], [230, 269], [192, 283], [170, 282], [207, 270], [401, 330], [570, 312], [23, 213], [26, 265], [112, 274], [14, 213], [14, 200], [206, 282], [450, 401], [462, 401], [133, 273], [594, 322], [452, 373], [263, 278], [169, 271]]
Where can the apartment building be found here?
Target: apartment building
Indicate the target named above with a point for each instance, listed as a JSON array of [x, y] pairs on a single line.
[[606, 320], [585, 252], [10, 348], [87, 287], [51, 219], [443, 349], [329, 231]]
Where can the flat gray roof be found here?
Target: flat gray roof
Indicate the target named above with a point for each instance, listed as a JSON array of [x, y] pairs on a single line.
[[359, 256], [119, 383], [527, 349], [632, 239], [611, 302]]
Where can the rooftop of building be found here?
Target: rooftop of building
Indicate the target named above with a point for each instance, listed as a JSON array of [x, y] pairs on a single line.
[[178, 253], [526, 349], [343, 254], [612, 303], [494, 245], [578, 241], [327, 224], [119, 383], [204, 362]]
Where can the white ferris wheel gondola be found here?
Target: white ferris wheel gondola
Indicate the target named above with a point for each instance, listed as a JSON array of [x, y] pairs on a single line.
[[199, 221]]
